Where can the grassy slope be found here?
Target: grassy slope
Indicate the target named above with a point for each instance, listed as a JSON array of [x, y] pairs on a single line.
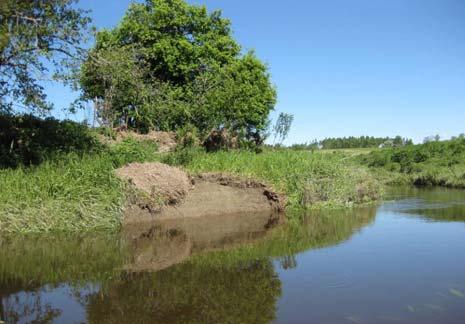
[[69, 192], [307, 178], [73, 193], [77, 193]]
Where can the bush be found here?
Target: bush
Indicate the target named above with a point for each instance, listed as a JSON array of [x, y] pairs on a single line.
[[131, 150], [28, 140], [432, 163], [181, 157]]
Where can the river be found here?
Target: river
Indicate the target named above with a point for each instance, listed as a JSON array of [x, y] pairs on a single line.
[[400, 262]]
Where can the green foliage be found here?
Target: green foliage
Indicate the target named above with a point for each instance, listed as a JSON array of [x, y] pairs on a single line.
[[432, 163], [188, 136], [169, 65], [32, 33], [28, 140], [79, 191], [131, 150], [181, 157]]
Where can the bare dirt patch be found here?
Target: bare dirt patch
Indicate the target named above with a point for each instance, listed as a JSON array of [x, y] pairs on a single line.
[[158, 182], [162, 192], [166, 141], [208, 212]]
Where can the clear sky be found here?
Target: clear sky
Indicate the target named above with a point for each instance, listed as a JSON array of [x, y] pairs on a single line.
[[359, 67]]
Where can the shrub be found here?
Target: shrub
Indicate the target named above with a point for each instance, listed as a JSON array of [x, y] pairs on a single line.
[[28, 140], [132, 150], [182, 156]]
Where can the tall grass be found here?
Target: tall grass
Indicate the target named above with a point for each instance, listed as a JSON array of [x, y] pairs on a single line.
[[70, 192], [308, 179]]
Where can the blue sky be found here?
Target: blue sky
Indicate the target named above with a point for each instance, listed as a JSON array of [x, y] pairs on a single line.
[[359, 67]]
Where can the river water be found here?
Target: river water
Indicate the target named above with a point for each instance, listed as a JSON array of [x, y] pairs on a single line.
[[400, 262]]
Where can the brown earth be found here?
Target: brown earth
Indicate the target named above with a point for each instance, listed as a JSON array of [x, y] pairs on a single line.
[[166, 141], [208, 212], [162, 191], [158, 182]]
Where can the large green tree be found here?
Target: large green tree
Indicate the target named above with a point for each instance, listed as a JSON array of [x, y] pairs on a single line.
[[169, 64], [38, 39]]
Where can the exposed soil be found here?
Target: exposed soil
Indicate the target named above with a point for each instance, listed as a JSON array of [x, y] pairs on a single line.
[[172, 215], [162, 191], [155, 181], [166, 141]]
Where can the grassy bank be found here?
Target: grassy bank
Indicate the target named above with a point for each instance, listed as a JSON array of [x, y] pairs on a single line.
[[431, 164], [79, 192], [308, 179], [69, 191]]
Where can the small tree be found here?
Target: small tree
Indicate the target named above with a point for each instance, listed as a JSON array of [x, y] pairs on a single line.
[[282, 127]]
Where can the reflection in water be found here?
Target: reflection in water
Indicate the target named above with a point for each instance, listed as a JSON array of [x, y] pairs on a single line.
[[446, 205], [28, 308], [237, 271], [230, 279], [188, 293]]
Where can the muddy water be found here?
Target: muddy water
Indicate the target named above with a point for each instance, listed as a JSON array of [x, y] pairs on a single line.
[[400, 262]]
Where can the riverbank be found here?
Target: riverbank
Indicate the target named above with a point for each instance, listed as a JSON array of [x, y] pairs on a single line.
[[73, 192], [436, 163]]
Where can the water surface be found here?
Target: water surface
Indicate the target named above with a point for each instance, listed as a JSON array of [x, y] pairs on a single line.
[[400, 262]]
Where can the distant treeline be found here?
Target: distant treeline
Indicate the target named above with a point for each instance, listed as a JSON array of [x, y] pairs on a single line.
[[354, 142]]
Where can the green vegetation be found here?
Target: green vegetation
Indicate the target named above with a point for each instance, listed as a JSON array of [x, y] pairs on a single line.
[[68, 191], [36, 38], [27, 140], [73, 187], [167, 65], [171, 65], [434, 163], [307, 179], [225, 286]]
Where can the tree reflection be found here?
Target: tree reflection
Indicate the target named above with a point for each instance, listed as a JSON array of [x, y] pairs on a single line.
[[191, 293]]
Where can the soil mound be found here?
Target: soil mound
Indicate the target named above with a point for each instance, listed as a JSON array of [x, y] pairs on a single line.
[[166, 141], [158, 182], [165, 192]]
